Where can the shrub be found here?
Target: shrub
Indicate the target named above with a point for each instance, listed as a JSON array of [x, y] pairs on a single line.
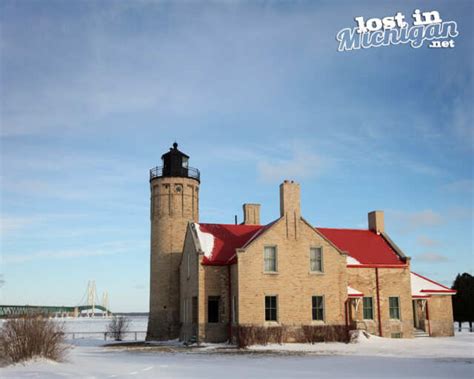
[[32, 336], [325, 333], [118, 326], [247, 335]]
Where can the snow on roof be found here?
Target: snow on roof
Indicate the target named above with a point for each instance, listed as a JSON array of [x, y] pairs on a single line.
[[352, 292], [206, 240], [423, 287], [226, 238], [352, 261], [365, 246]]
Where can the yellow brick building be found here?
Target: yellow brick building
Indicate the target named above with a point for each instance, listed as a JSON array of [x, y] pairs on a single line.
[[207, 280]]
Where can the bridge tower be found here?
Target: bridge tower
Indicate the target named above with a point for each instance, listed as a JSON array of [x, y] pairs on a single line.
[[174, 202], [91, 295], [105, 303]]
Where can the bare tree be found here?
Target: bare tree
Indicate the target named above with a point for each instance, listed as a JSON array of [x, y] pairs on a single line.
[[118, 326]]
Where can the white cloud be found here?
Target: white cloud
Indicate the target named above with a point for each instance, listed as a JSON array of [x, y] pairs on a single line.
[[9, 224], [412, 221], [462, 120], [460, 186], [431, 257], [426, 241], [301, 165], [111, 248]]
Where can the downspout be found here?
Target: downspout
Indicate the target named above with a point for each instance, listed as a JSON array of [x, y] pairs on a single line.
[[229, 271], [378, 300], [346, 304], [345, 313], [428, 318]]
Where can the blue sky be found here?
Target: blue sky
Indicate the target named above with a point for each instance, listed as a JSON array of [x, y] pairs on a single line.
[[92, 94]]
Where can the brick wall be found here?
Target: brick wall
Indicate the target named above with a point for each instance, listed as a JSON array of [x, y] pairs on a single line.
[[294, 284], [174, 202], [189, 288], [392, 282], [440, 310], [214, 281]]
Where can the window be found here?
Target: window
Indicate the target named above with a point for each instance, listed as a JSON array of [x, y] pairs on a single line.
[[270, 259], [394, 308], [188, 263], [316, 259], [213, 309], [185, 162], [318, 308], [270, 308], [396, 335], [195, 310], [183, 316], [368, 308], [234, 309]]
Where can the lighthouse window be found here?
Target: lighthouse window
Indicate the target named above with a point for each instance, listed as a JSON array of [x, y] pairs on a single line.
[[185, 162]]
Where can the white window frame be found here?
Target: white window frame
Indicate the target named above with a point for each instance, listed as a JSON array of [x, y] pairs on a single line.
[[372, 308], [399, 308], [274, 247], [320, 248]]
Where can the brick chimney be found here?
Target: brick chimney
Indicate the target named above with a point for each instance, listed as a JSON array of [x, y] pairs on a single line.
[[376, 223], [290, 207], [290, 198], [251, 214]]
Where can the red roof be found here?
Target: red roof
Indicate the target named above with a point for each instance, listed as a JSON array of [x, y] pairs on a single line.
[[227, 238], [365, 246]]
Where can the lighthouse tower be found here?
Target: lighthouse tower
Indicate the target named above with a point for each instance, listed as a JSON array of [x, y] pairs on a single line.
[[174, 202]]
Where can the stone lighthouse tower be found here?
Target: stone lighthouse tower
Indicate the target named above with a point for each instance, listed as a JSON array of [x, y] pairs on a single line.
[[174, 202]]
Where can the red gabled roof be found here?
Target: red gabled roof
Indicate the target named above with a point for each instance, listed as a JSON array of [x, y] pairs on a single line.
[[365, 246], [227, 238]]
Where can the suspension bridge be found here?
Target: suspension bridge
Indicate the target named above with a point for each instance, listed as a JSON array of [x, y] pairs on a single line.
[[88, 306]]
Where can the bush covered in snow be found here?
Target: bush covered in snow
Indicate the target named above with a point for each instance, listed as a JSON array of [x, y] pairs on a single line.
[[31, 336]]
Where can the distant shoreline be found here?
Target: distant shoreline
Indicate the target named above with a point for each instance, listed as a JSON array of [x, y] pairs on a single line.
[[131, 313]]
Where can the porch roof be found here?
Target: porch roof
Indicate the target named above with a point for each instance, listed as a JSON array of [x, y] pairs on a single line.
[[424, 287], [352, 292]]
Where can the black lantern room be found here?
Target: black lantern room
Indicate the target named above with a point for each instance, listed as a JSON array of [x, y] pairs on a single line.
[[175, 164]]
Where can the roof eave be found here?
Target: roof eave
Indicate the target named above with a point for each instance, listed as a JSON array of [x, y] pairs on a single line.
[[395, 247]]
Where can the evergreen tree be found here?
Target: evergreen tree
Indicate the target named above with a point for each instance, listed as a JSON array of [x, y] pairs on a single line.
[[463, 301]]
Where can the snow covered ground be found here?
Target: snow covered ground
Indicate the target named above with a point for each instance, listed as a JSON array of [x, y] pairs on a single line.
[[369, 358]]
